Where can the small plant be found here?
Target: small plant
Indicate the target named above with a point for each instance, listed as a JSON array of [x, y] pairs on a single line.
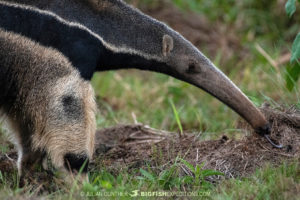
[[167, 179], [170, 178], [176, 115], [198, 174], [293, 71]]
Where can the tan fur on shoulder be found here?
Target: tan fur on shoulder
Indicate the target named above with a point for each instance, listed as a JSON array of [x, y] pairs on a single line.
[[50, 109]]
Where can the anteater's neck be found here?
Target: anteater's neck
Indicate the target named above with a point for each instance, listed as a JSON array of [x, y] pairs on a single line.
[[86, 50], [117, 60]]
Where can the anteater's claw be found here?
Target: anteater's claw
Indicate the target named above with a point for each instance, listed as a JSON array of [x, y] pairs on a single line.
[[265, 132], [280, 146]]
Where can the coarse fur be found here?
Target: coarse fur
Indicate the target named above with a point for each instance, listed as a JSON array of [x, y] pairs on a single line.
[[48, 107], [72, 40], [131, 39]]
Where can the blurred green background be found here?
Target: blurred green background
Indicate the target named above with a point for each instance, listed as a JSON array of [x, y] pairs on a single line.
[[248, 40]]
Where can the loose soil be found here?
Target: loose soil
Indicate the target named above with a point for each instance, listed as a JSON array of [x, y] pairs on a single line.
[[137, 146], [133, 146]]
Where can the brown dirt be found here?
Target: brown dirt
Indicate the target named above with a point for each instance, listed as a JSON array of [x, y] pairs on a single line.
[[131, 146], [134, 146], [138, 146]]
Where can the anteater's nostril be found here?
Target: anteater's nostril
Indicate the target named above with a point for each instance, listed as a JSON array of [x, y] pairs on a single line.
[[75, 162], [264, 130]]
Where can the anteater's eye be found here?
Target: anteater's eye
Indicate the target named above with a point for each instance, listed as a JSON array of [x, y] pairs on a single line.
[[193, 68]]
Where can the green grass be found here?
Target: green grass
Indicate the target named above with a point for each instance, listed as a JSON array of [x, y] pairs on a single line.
[[176, 116], [269, 183], [148, 96], [282, 182]]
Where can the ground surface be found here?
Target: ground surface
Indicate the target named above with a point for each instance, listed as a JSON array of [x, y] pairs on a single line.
[[131, 146], [138, 146], [231, 42]]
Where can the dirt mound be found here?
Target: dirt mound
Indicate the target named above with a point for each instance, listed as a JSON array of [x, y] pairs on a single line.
[[134, 145], [138, 146]]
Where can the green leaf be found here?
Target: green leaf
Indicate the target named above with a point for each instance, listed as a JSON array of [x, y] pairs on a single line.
[[290, 7], [188, 180], [197, 171], [87, 187], [106, 184], [296, 49], [176, 116], [207, 185], [292, 76], [164, 175], [147, 175], [188, 165], [209, 172], [140, 178]]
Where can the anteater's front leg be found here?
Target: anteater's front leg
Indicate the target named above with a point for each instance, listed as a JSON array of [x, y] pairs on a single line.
[[29, 161]]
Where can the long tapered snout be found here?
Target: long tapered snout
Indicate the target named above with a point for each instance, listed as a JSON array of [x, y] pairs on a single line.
[[209, 78]]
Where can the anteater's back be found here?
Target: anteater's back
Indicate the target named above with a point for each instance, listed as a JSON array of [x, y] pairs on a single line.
[[50, 108]]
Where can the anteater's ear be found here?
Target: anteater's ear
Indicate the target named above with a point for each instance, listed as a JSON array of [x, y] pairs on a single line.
[[168, 45]]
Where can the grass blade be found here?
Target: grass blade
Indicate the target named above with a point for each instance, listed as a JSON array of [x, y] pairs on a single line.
[[176, 116]]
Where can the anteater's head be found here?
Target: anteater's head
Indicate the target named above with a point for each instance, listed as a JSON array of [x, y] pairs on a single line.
[[187, 63], [68, 132], [140, 41]]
